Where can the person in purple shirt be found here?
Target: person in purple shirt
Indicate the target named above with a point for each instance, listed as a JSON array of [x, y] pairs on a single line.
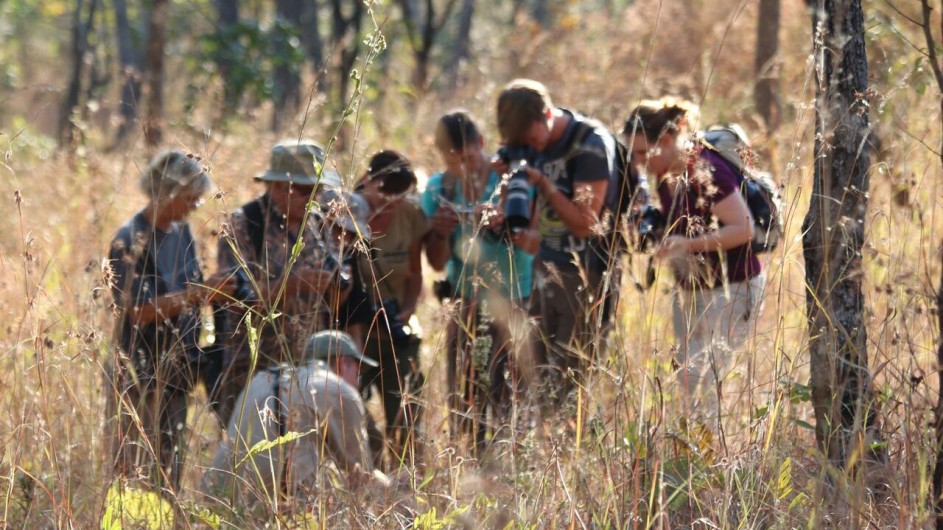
[[706, 244]]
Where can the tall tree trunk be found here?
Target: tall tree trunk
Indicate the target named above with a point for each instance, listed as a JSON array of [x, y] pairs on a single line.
[[227, 13], [834, 234], [422, 29], [154, 72], [461, 50], [129, 57], [766, 66], [936, 66], [345, 38], [313, 43], [81, 26], [287, 78]]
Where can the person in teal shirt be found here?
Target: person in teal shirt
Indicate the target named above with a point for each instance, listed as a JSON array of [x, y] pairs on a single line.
[[488, 274]]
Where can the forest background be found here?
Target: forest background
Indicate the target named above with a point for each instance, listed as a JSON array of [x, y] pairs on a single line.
[[81, 110]]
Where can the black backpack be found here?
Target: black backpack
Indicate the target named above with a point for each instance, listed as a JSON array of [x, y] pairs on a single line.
[[762, 195], [627, 193]]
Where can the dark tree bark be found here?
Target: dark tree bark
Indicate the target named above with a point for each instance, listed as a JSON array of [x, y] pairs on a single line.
[[422, 27], [834, 231], [461, 50], [227, 12], [287, 78], [312, 42], [154, 72], [130, 58], [766, 66], [83, 18], [345, 39], [936, 66]]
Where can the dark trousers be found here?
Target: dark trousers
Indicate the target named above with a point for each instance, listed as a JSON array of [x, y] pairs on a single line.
[[148, 416], [574, 317], [399, 382], [479, 379]]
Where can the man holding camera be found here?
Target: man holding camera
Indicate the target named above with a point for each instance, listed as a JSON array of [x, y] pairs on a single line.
[[572, 175], [258, 245]]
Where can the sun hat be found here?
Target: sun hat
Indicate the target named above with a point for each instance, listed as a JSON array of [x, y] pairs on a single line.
[[172, 172], [348, 210], [299, 162], [324, 345]]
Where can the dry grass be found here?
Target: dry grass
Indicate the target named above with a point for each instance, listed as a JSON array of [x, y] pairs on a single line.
[[632, 462]]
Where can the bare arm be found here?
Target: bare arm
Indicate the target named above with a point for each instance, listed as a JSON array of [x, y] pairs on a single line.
[[413, 280], [437, 240], [736, 229], [172, 304]]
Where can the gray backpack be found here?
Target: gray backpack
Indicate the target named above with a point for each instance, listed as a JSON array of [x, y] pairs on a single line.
[[761, 194]]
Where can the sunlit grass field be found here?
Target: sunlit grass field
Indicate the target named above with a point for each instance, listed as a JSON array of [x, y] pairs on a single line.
[[629, 458]]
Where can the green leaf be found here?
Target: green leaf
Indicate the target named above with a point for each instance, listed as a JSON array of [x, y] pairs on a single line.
[[804, 425], [268, 445]]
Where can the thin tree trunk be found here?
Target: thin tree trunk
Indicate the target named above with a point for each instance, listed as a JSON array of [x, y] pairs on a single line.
[[80, 30], [227, 12], [154, 72], [129, 57], [461, 51], [313, 43], [766, 66], [287, 79], [936, 66], [834, 235]]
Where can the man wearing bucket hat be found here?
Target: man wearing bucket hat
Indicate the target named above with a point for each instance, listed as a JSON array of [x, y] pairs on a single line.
[[258, 244], [319, 401]]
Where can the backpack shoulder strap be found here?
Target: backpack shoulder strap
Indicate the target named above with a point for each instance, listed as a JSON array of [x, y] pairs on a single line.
[[256, 213]]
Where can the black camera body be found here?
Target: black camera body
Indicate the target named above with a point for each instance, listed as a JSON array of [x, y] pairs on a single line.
[[443, 289], [399, 331], [517, 206], [651, 227], [340, 268], [244, 292]]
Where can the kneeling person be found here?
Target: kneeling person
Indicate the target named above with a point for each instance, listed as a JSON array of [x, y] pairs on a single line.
[[319, 401]]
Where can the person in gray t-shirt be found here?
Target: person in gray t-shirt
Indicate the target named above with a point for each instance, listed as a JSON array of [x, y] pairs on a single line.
[[158, 289], [572, 175]]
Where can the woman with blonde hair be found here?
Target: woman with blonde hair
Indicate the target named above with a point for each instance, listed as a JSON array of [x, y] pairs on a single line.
[[706, 242]]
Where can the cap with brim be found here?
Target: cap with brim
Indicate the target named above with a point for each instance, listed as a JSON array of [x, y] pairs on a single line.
[[300, 163], [348, 210], [325, 345]]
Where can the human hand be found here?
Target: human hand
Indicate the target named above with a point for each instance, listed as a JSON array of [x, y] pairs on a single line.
[[491, 216], [673, 246], [313, 279], [217, 285], [527, 240], [499, 166], [444, 222]]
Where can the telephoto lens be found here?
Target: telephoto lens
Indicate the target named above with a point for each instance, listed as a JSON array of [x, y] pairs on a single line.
[[517, 194], [517, 201]]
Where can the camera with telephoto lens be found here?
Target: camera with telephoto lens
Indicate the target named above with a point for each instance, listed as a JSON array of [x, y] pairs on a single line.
[[399, 331], [517, 194], [244, 292], [651, 227], [340, 268]]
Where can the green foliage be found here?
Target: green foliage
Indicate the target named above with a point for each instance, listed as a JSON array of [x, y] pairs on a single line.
[[245, 57]]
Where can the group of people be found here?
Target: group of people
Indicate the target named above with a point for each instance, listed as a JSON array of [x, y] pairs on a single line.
[[318, 284]]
